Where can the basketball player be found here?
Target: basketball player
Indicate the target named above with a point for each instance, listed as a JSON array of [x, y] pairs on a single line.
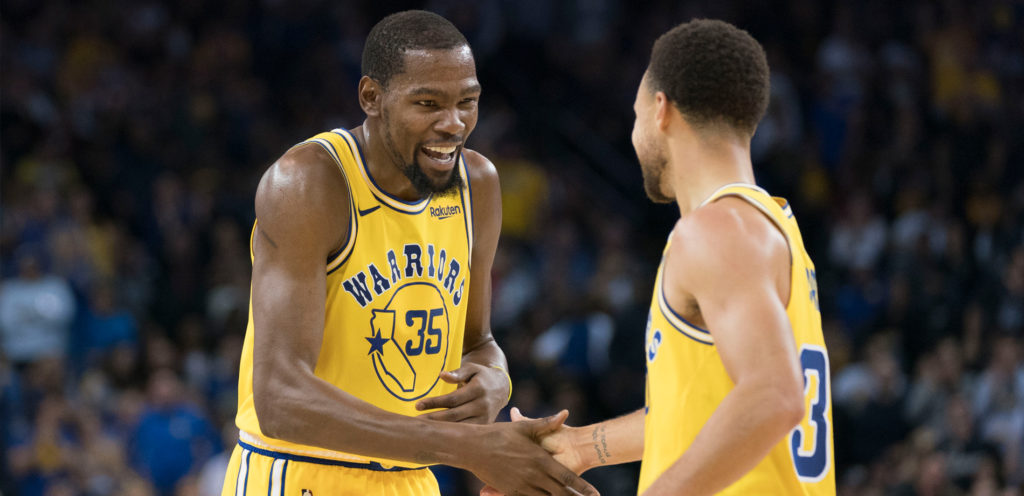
[[738, 398], [368, 353]]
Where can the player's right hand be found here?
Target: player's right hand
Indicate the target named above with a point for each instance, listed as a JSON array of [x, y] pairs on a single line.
[[558, 442], [513, 462]]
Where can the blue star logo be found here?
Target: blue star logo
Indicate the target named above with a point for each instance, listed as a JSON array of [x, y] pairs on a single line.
[[376, 343]]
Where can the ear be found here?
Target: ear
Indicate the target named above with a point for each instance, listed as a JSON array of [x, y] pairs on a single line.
[[370, 94], [662, 110]]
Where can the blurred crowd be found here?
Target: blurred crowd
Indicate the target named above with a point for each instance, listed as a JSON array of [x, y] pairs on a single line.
[[132, 135]]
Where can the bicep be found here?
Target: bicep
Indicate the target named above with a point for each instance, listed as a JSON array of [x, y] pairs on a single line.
[[751, 330], [288, 306], [294, 233]]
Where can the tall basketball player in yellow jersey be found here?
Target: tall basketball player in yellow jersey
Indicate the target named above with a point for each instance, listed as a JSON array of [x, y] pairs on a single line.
[[738, 393], [368, 353]]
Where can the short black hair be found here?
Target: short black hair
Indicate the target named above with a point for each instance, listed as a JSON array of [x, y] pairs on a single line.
[[387, 42], [713, 72]]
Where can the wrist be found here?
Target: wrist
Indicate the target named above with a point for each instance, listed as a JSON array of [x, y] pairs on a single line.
[[459, 445], [586, 443], [508, 378]]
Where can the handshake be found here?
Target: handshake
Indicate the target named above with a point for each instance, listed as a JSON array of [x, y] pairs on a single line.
[[556, 472]]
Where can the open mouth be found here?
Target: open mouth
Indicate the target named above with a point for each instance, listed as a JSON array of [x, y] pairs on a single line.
[[444, 156]]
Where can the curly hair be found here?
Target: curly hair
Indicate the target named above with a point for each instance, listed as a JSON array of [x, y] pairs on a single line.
[[385, 48], [713, 72]]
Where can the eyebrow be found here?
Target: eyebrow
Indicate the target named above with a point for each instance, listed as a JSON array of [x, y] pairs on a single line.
[[475, 88]]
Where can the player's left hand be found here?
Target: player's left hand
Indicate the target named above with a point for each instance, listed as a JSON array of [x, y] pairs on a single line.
[[483, 391]]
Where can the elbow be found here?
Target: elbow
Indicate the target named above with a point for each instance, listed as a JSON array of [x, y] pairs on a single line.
[[274, 411], [789, 409], [268, 412], [793, 413]]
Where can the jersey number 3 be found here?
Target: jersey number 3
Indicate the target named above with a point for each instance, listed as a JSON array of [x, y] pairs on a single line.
[[809, 441]]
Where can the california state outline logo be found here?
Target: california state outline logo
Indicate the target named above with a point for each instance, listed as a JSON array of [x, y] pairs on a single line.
[[409, 340]]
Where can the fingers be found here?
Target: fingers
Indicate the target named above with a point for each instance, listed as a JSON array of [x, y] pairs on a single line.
[[451, 377], [451, 400], [577, 485], [462, 374], [548, 424], [569, 483], [465, 413]]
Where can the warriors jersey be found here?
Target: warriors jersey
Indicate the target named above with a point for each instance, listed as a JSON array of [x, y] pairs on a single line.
[[686, 380], [395, 304]]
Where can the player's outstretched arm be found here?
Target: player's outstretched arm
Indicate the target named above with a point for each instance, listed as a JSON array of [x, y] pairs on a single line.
[[615, 441], [301, 205], [484, 384], [736, 264], [611, 442]]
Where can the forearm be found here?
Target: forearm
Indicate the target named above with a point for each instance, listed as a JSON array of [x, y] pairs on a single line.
[[311, 411], [740, 433], [615, 441]]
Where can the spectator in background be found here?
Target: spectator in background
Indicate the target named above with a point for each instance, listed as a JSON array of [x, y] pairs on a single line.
[[36, 310], [105, 324], [173, 438]]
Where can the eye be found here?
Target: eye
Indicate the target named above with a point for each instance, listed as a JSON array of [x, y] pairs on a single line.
[[468, 101], [426, 103]]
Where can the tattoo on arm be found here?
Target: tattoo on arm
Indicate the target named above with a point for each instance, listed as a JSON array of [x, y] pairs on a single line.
[[600, 439], [268, 238]]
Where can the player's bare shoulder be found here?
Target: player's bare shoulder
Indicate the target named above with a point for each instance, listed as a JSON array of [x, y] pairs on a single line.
[[304, 193], [486, 198], [729, 237], [482, 173]]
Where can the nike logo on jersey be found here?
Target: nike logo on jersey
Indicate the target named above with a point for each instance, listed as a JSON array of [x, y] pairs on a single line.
[[442, 213], [363, 213]]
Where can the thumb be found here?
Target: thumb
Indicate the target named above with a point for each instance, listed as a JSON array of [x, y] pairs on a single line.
[[517, 416], [548, 425], [460, 375]]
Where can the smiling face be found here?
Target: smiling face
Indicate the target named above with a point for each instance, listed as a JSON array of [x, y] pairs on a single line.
[[427, 112]]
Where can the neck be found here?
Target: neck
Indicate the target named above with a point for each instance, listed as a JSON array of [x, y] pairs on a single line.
[[699, 167], [381, 165]]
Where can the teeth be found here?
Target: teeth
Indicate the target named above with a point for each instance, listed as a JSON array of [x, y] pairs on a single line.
[[441, 149]]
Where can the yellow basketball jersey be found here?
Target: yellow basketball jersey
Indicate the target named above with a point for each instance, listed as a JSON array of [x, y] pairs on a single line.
[[395, 305], [686, 380]]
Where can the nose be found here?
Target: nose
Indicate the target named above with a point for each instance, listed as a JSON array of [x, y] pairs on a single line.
[[450, 123]]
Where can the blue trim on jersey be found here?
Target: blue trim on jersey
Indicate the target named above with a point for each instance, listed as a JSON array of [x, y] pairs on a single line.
[[684, 333], [676, 314], [352, 226], [375, 466], [284, 477], [345, 245], [248, 470], [270, 480], [465, 210], [366, 168]]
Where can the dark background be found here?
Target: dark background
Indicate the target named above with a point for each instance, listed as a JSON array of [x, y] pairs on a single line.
[[133, 134]]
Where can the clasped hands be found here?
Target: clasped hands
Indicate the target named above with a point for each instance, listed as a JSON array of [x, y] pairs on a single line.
[[525, 457]]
